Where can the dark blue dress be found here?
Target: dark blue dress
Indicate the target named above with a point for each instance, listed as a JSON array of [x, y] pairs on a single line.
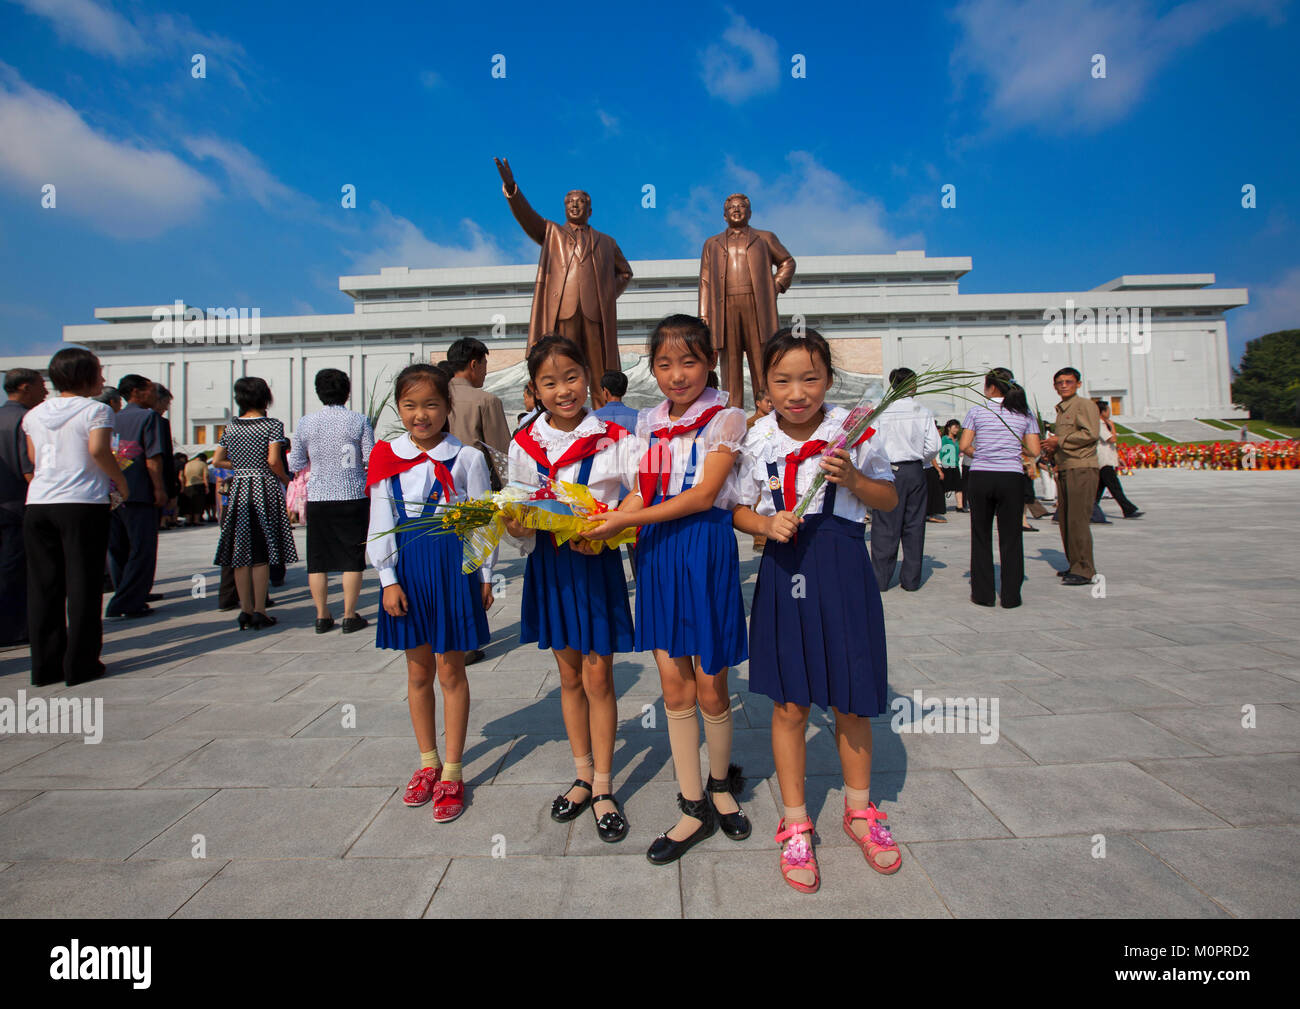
[[688, 586], [444, 607], [574, 600], [819, 639]]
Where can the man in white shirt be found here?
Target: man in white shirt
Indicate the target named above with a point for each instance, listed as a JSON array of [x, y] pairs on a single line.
[[911, 440]]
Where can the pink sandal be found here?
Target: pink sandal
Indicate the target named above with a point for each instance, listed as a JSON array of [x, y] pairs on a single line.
[[798, 854], [878, 841]]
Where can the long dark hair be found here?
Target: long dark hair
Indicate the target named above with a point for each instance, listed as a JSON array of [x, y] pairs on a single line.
[[413, 374], [1013, 394], [692, 331]]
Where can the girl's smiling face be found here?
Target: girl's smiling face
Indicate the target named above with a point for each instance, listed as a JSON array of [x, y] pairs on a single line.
[[797, 384], [682, 374], [561, 384], [424, 413]]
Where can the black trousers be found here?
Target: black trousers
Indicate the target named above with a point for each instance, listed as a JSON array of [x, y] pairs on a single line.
[[1108, 480], [132, 557], [13, 578], [1001, 496], [935, 503], [904, 526], [65, 570]]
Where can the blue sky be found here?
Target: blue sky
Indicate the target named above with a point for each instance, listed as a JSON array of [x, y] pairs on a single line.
[[225, 190]]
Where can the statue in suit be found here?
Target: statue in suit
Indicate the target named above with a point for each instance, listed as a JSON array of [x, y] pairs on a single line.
[[580, 274], [738, 294]]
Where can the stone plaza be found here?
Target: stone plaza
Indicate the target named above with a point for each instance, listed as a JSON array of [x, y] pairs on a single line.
[[1146, 760]]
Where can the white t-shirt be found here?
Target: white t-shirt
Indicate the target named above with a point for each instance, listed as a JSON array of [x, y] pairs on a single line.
[[767, 443], [470, 475], [65, 472], [725, 431]]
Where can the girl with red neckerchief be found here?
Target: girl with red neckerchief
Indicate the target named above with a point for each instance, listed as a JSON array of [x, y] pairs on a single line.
[[688, 604], [431, 609], [817, 627], [575, 598]]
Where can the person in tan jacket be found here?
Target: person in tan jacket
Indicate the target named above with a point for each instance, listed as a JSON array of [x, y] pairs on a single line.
[[1073, 443]]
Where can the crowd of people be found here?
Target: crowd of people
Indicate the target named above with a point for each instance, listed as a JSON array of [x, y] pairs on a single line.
[[86, 484]]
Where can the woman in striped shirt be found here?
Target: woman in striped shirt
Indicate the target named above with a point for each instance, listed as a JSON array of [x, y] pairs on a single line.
[[996, 434]]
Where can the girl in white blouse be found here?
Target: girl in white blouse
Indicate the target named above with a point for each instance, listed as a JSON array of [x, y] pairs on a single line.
[[575, 597], [817, 627], [688, 604], [430, 608]]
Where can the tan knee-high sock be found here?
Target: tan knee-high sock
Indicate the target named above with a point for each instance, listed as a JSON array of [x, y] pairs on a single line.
[[684, 738], [858, 797], [796, 814], [717, 735], [584, 767], [430, 759], [452, 771]]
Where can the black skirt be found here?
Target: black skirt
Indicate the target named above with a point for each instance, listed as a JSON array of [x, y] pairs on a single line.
[[336, 535]]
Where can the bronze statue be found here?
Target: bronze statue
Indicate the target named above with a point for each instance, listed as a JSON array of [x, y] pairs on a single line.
[[580, 274], [738, 294]]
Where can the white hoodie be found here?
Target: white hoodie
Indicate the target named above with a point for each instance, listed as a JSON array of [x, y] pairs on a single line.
[[64, 472]]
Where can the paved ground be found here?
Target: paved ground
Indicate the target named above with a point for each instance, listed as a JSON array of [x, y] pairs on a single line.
[[1121, 722]]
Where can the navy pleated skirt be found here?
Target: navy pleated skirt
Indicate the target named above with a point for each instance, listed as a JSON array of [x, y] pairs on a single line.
[[444, 607], [820, 638], [573, 600], [688, 590]]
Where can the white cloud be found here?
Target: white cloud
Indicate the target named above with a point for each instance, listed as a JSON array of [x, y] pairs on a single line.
[[122, 188], [745, 64], [1035, 59], [609, 122], [397, 241], [1272, 307], [430, 79], [811, 209], [98, 28], [89, 26], [246, 172]]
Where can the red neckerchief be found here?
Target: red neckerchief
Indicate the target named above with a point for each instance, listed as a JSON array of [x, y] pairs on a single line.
[[385, 463], [585, 446], [792, 461], [657, 464]]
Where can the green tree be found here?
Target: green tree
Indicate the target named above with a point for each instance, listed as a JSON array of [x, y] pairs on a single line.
[[1268, 381]]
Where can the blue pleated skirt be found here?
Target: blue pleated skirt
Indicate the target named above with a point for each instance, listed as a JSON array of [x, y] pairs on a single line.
[[573, 600], [820, 638], [444, 607], [688, 590]]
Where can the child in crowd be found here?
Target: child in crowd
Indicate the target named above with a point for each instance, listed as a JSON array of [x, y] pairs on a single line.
[[817, 627], [575, 598], [688, 604], [430, 608]]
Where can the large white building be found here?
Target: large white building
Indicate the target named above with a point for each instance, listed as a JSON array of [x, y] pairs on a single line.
[[1156, 347]]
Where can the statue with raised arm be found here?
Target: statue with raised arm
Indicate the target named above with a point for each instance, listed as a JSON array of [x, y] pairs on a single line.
[[580, 274], [738, 295]]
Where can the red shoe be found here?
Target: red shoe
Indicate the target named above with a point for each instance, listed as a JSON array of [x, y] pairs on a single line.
[[878, 840], [420, 788], [448, 801]]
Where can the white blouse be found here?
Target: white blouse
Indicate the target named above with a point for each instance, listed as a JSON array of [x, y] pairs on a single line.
[[469, 474], [613, 467], [725, 431], [767, 443]]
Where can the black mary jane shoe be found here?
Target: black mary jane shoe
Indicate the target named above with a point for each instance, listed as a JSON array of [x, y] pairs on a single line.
[[563, 809], [261, 620], [612, 827], [664, 850], [324, 624], [735, 825], [246, 621]]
